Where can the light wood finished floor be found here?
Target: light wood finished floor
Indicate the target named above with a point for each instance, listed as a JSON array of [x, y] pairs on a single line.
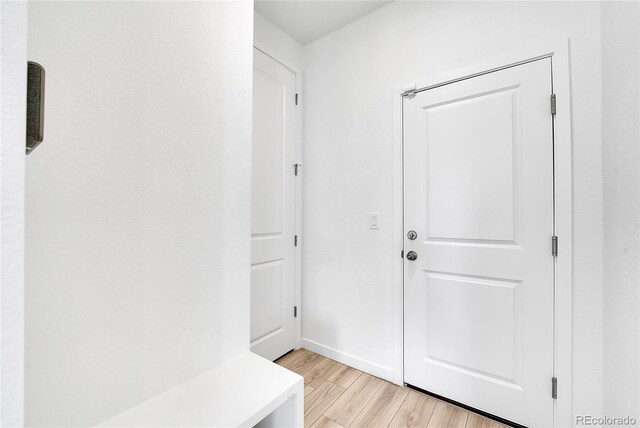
[[339, 396]]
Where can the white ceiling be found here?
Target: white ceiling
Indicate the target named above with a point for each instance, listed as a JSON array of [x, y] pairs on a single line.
[[306, 21]]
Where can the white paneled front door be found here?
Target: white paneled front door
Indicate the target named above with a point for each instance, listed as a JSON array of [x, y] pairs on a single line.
[[478, 193], [272, 208]]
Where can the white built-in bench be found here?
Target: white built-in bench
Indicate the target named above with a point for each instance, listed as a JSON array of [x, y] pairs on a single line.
[[245, 391]]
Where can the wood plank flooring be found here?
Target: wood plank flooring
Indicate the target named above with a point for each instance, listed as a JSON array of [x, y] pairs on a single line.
[[339, 396]]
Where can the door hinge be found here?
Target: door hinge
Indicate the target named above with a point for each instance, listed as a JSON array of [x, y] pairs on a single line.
[[402, 254], [296, 99], [553, 104], [554, 246], [295, 168], [554, 387], [295, 240], [295, 311]]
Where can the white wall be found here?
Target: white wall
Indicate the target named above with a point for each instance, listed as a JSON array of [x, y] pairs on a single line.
[[621, 173], [347, 277], [138, 202], [13, 74], [274, 42]]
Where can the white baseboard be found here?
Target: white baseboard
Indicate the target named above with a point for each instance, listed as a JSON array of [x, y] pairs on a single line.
[[373, 369]]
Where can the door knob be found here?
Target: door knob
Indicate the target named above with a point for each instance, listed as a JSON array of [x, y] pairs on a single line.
[[412, 235], [412, 255]]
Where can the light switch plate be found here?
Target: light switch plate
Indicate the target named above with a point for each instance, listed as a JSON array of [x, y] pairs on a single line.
[[373, 221]]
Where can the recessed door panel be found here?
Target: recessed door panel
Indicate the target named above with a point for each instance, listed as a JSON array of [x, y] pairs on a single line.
[[267, 151], [266, 300], [471, 167], [474, 324]]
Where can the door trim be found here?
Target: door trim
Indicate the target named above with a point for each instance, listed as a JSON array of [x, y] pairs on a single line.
[[297, 288], [558, 51]]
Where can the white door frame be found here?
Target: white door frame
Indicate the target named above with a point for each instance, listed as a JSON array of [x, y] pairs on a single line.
[[558, 51], [297, 287]]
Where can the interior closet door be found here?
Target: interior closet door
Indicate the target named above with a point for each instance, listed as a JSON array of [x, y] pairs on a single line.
[[272, 208], [478, 267]]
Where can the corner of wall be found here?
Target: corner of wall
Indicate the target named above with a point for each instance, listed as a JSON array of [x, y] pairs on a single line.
[[276, 43]]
